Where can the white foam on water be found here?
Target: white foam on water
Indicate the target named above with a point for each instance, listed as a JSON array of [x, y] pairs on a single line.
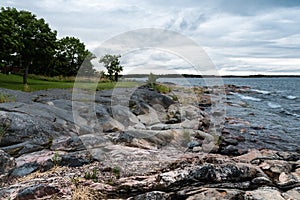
[[274, 105], [291, 97], [292, 114], [261, 91], [248, 97]]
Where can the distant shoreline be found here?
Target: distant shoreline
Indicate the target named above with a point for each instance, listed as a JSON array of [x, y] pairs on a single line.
[[208, 76]]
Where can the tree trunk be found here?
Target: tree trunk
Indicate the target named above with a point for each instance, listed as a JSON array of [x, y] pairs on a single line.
[[25, 75], [116, 77]]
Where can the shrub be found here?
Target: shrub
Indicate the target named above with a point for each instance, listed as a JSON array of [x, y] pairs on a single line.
[[152, 79], [161, 88]]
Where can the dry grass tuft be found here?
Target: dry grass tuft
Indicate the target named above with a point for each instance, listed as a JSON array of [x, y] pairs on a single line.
[[83, 193]]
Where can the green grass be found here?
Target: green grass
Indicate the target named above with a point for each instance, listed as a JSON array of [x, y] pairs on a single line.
[[14, 82], [6, 98]]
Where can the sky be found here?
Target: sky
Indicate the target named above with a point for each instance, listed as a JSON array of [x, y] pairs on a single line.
[[239, 37]]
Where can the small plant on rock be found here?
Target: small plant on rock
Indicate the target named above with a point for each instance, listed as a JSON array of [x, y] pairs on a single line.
[[155, 86], [92, 176], [56, 158], [3, 128], [116, 171], [186, 137], [4, 98]]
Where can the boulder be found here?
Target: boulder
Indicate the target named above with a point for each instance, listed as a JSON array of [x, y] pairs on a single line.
[[275, 167], [149, 118], [233, 150], [190, 124], [26, 127], [144, 94], [217, 194], [292, 194], [36, 192], [190, 112], [138, 108], [25, 169], [289, 180], [38, 157], [123, 115], [263, 193], [161, 112], [111, 125], [74, 159], [208, 173], [22, 148], [174, 115], [67, 143]]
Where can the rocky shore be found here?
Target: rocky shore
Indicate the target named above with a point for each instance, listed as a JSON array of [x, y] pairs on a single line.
[[135, 144]]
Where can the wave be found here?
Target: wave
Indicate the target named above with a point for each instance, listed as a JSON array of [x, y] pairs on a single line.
[[247, 97], [292, 114], [274, 105], [291, 97], [261, 91]]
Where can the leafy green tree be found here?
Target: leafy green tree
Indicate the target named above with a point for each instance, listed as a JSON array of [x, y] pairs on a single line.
[[112, 64], [26, 39], [8, 36], [70, 55]]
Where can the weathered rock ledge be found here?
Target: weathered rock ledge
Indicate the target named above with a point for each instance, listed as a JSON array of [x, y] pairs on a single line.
[[141, 145]]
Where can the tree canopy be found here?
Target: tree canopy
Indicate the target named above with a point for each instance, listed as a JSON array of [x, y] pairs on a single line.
[[31, 40], [70, 55], [112, 64], [30, 44]]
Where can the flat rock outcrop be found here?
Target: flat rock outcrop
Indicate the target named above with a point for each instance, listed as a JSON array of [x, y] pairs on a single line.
[[134, 144]]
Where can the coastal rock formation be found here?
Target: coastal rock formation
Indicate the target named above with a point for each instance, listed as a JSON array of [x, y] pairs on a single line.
[[144, 146]]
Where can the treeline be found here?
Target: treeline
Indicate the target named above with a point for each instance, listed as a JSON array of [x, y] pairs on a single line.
[[28, 45]]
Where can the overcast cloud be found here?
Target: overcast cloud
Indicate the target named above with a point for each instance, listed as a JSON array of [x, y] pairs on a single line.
[[240, 37]]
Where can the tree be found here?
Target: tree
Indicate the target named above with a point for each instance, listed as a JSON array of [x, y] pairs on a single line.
[[112, 64], [70, 55], [8, 37], [26, 38]]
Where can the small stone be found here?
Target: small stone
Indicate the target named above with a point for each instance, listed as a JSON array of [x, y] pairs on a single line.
[[230, 141], [193, 144], [233, 150], [226, 131], [197, 149], [243, 130], [261, 181]]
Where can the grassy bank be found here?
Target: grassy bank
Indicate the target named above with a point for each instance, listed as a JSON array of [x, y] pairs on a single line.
[[14, 82]]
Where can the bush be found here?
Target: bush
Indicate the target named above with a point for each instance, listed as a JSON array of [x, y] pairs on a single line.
[[161, 88], [152, 79]]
